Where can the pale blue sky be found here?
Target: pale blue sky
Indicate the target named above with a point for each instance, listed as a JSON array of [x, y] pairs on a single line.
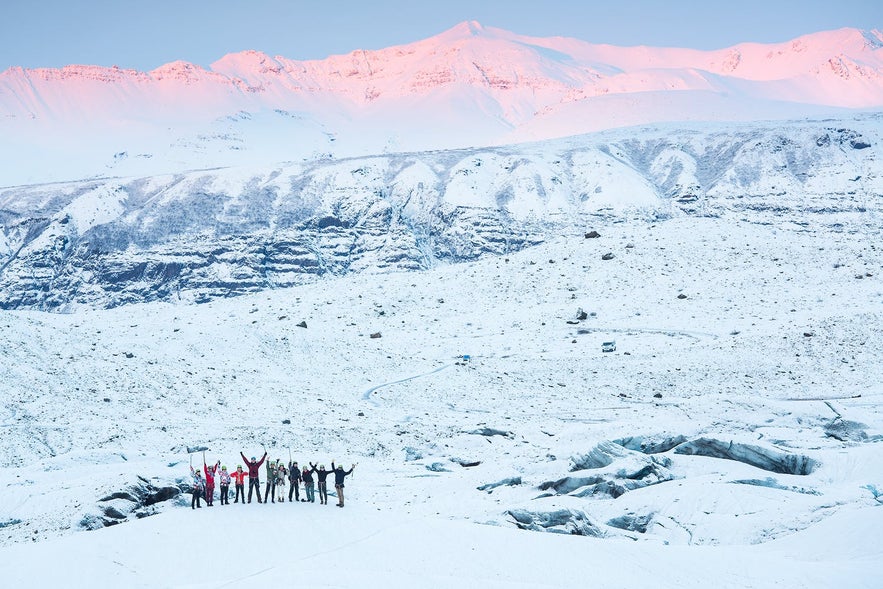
[[144, 34]]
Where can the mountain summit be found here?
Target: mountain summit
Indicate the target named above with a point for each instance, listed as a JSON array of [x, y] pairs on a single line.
[[471, 85]]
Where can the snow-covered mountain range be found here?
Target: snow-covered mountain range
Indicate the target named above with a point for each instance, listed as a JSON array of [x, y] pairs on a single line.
[[662, 338], [471, 86], [201, 235]]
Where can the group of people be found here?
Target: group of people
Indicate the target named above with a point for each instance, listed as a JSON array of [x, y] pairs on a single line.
[[278, 476]]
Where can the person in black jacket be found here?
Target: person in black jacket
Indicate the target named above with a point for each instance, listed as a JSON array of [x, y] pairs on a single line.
[[294, 479], [309, 487], [322, 482], [339, 475]]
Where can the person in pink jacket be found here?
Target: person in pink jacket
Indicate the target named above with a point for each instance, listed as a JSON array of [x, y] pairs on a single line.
[[210, 472], [224, 479]]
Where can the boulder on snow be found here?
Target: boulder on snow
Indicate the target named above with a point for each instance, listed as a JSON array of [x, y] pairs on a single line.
[[592, 235], [608, 256]]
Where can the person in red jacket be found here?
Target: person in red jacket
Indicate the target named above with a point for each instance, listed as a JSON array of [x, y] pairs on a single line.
[[254, 474], [239, 478], [210, 472]]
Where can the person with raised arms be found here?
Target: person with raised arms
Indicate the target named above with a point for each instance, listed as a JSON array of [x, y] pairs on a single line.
[[197, 488], [210, 472], [309, 486], [339, 475], [254, 474], [294, 479]]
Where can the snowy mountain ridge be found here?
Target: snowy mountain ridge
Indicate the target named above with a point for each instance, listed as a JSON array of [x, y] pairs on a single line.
[[470, 86], [208, 234]]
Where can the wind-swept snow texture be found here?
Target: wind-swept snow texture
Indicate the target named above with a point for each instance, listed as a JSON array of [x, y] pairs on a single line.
[[470, 86]]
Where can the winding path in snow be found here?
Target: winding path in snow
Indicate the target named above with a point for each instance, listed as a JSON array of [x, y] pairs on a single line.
[[670, 332], [367, 394]]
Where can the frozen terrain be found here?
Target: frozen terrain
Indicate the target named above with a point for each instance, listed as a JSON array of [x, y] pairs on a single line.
[[200, 235], [731, 438], [648, 356]]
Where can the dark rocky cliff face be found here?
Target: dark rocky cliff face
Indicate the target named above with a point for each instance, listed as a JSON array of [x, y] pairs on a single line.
[[201, 235]]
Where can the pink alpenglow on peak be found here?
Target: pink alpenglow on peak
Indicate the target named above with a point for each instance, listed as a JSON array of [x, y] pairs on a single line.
[[471, 85]]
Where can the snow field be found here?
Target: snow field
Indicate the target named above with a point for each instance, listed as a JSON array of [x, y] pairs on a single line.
[[93, 400]]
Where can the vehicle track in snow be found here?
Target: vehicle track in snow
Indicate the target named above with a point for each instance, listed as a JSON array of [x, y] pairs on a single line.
[[697, 335], [367, 394]]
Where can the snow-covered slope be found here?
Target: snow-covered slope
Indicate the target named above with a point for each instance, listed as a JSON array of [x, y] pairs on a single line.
[[205, 234], [731, 438], [665, 340], [469, 86]]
